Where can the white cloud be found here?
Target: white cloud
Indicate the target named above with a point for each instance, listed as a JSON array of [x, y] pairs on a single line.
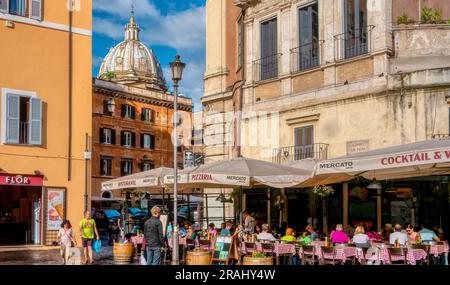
[[122, 8]]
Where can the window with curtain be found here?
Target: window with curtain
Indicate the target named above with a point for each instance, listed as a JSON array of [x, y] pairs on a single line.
[[18, 7]]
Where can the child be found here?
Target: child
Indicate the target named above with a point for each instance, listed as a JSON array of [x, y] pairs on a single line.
[[66, 240]]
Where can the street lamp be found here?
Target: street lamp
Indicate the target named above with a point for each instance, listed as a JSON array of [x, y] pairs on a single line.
[[111, 105], [177, 68]]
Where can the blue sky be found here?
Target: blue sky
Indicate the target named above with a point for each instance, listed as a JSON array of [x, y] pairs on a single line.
[[167, 26]]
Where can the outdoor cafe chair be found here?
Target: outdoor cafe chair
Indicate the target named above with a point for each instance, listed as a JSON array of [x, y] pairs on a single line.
[[308, 255], [249, 247], [400, 253], [370, 255], [205, 243], [326, 251], [425, 248]]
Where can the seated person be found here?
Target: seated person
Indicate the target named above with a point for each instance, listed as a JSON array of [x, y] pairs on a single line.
[[360, 238], [190, 233], [312, 232], [211, 230], [227, 230], [428, 235], [290, 235], [398, 235], [305, 238], [265, 235], [338, 236]]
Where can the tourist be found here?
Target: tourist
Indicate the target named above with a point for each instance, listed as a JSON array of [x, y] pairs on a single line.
[[265, 235], [290, 235], [227, 230], [360, 238], [349, 230], [338, 236], [153, 235], [257, 229], [387, 231], [190, 233], [66, 240], [439, 232], [426, 234], [413, 236], [312, 232], [249, 222], [397, 235], [211, 231], [222, 226], [169, 230], [305, 238], [373, 235], [183, 229], [121, 224], [88, 228]]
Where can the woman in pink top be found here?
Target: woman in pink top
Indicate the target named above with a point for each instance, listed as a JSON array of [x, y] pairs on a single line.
[[338, 236]]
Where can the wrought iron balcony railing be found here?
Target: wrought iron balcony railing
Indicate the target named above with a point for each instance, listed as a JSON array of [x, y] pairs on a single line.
[[353, 43], [306, 56], [293, 153], [267, 67]]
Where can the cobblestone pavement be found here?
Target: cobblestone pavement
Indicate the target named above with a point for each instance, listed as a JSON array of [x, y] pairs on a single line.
[[48, 257]]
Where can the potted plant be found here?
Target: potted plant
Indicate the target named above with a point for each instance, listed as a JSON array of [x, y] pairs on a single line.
[[258, 258], [430, 16], [323, 190]]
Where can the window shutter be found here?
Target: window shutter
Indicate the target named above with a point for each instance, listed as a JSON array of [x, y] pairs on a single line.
[[122, 138], [35, 132], [102, 135], [12, 119], [113, 136], [109, 165], [143, 114], [133, 112], [152, 116], [36, 9], [4, 6], [133, 139], [152, 142], [123, 110], [142, 141]]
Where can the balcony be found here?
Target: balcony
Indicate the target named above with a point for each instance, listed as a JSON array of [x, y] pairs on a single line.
[[267, 67], [305, 56], [290, 154], [353, 43]]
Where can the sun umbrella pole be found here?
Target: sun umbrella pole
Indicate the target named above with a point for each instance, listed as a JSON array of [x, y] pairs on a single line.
[[241, 206]]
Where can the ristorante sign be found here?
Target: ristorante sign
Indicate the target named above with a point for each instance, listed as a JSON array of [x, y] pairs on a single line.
[[130, 183], [385, 161], [21, 180]]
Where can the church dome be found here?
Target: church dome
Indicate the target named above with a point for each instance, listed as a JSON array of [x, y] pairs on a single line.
[[132, 62]]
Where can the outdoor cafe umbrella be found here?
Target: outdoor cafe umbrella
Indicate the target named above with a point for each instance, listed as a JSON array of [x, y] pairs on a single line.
[[240, 172], [150, 179], [431, 157]]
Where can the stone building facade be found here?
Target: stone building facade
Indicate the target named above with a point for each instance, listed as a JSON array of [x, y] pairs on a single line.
[[324, 79]]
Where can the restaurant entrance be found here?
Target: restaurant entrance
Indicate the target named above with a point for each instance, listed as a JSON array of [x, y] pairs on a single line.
[[20, 209]]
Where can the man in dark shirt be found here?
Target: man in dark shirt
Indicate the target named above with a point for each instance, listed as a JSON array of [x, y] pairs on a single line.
[[153, 235]]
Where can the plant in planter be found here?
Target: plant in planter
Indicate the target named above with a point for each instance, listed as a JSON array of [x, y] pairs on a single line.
[[323, 190], [404, 20], [359, 192], [258, 254], [430, 16]]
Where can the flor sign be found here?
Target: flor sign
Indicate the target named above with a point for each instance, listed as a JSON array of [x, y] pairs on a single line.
[[20, 180]]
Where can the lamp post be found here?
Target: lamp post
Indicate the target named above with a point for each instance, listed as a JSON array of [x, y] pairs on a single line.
[[177, 68]]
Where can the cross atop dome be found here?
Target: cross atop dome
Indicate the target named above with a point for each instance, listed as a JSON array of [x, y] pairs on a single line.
[[132, 29]]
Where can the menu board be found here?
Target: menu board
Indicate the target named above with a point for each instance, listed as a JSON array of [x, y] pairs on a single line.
[[55, 208], [222, 248]]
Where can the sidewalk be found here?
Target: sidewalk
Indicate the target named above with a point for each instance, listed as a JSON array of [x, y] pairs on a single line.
[[45, 255]]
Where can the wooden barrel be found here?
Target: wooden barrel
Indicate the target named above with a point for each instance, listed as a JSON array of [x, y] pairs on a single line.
[[248, 260], [198, 257], [123, 253]]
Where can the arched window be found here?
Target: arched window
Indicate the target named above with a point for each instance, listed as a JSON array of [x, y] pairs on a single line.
[[107, 195]]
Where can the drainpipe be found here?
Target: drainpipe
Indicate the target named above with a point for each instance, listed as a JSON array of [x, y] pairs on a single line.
[[69, 156]]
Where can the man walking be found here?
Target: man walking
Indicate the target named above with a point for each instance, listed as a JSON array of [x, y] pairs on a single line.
[[87, 229], [153, 235]]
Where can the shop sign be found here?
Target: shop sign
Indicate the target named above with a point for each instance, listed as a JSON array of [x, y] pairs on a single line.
[[19, 180]]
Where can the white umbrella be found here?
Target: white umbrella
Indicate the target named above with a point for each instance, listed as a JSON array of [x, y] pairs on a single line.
[[147, 179], [239, 172]]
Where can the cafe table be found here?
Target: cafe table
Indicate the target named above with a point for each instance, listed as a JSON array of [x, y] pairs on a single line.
[[412, 256], [279, 249]]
